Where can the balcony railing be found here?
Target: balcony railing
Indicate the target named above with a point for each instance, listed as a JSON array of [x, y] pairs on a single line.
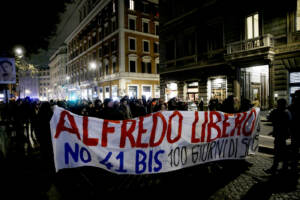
[[251, 44]]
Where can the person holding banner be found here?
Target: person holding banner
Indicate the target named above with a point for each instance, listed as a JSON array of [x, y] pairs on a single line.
[[281, 120]]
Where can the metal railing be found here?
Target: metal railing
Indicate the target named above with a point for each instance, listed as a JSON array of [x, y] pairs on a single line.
[[250, 44]]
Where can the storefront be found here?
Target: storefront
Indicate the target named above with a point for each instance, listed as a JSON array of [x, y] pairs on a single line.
[[171, 91], [217, 88], [255, 84], [294, 82], [147, 91], [106, 92], [193, 91], [133, 91], [101, 93], [114, 92]]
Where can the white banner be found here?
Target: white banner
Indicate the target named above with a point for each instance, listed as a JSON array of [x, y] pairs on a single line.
[[159, 142]]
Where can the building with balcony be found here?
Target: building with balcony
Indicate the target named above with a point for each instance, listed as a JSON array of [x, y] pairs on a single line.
[[114, 51], [58, 73], [213, 49]]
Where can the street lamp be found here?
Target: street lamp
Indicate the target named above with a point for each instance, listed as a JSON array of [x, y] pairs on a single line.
[[93, 65], [19, 52]]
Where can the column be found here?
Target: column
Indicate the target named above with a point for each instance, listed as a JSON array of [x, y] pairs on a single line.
[[271, 85], [180, 88], [162, 87], [236, 83]]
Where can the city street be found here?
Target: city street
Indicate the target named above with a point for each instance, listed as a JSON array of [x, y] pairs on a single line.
[[150, 98]]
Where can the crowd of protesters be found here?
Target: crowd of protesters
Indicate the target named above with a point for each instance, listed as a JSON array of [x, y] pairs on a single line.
[[28, 120]]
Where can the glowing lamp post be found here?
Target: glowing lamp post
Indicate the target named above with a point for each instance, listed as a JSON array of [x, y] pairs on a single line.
[[93, 65]]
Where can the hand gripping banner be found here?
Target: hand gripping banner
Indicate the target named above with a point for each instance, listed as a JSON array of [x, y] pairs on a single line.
[[158, 142]]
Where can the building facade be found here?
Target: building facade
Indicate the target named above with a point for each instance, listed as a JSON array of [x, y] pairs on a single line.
[[45, 92], [115, 50], [58, 73], [213, 49], [28, 84]]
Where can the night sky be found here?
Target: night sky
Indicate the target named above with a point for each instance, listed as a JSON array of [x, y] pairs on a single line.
[[29, 23]]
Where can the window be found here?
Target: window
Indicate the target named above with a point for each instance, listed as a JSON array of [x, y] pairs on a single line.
[[89, 42], [146, 46], [94, 39], [146, 91], [145, 26], [113, 45], [132, 23], [100, 69], [114, 6], [132, 66], [146, 67], [132, 91], [114, 24], [156, 29], [106, 94], [100, 52], [145, 8], [155, 47], [294, 82], [101, 93], [132, 44], [106, 69], [100, 32], [131, 4], [298, 16], [114, 67], [252, 25], [106, 49]]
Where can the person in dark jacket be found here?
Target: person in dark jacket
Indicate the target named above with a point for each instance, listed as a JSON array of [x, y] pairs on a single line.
[[172, 104], [44, 134], [281, 119], [110, 112], [294, 108]]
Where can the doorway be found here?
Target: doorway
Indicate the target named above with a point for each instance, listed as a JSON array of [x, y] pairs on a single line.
[[255, 84]]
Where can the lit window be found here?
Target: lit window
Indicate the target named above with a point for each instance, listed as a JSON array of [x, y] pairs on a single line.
[[252, 22], [114, 7], [131, 4]]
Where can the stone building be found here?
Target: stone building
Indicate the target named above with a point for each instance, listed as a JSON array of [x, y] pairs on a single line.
[[58, 73], [114, 50], [213, 49], [44, 83]]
